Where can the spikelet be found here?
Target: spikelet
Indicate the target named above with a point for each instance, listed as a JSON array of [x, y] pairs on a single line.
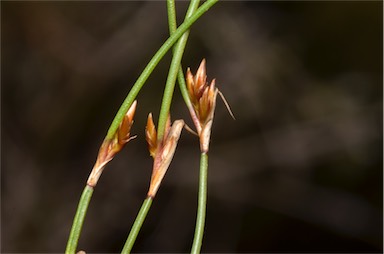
[[203, 98], [110, 147], [161, 151]]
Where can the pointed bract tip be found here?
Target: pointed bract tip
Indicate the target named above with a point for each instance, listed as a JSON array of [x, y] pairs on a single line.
[[151, 135], [202, 64], [125, 126], [132, 109]]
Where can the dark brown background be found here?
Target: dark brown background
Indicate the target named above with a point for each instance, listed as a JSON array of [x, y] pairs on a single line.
[[300, 170]]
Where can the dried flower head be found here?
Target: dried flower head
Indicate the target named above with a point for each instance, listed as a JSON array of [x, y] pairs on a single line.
[[203, 98], [110, 147], [202, 95], [163, 151]]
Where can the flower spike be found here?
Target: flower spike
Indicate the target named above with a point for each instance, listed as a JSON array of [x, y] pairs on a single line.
[[203, 98], [110, 147]]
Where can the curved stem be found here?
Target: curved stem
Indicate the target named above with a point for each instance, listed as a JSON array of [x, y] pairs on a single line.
[[175, 63], [202, 204], [152, 64], [137, 225], [78, 220]]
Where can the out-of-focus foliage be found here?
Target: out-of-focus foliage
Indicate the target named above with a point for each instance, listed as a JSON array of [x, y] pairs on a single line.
[[299, 170]]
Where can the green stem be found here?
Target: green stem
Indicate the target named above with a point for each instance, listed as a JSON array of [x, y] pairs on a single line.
[[172, 29], [171, 11], [137, 225], [78, 220], [202, 199], [183, 88], [152, 64], [202, 204], [175, 63], [180, 75]]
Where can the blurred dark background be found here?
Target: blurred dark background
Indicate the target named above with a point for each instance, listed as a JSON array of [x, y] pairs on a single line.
[[300, 170]]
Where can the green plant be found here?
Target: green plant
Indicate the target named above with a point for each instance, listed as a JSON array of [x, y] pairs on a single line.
[[200, 99]]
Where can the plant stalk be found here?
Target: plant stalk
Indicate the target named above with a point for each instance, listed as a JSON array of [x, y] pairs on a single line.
[[202, 196], [202, 204], [172, 28], [137, 225], [78, 220]]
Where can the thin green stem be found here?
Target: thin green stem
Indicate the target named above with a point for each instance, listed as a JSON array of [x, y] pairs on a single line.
[[175, 63], [78, 220], [171, 11], [180, 75], [202, 199], [152, 64], [168, 93], [137, 225], [202, 204], [172, 28], [183, 88]]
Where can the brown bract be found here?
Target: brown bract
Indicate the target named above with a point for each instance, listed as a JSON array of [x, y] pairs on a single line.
[[151, 136], [110, 147]]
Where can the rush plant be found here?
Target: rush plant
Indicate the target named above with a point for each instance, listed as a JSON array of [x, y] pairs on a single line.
[[200, 99]]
